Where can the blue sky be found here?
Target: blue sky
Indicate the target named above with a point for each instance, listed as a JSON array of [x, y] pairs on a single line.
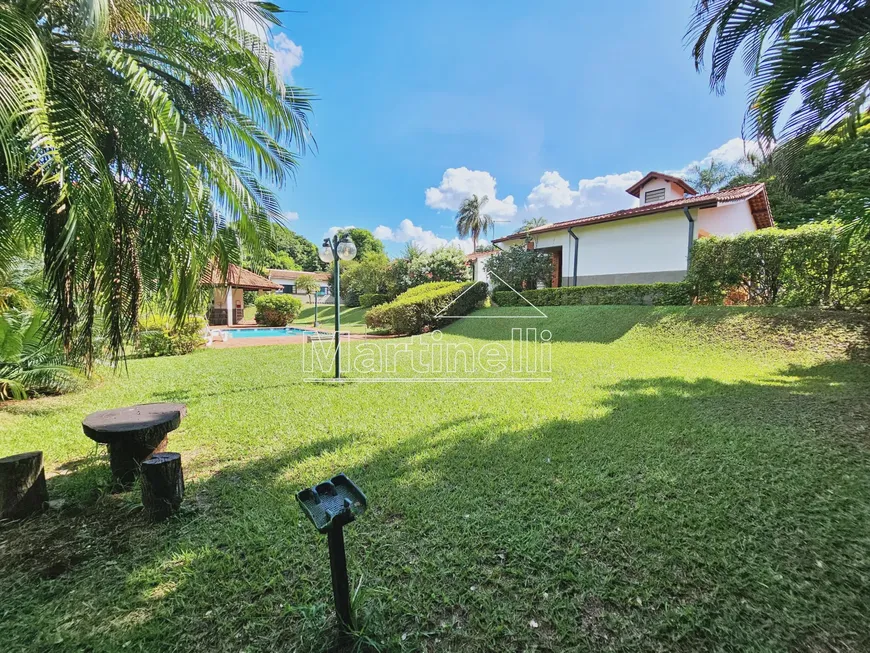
[[553, 108]]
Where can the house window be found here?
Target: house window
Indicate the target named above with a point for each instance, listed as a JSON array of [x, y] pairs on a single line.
[[654, 196], [289, 288]]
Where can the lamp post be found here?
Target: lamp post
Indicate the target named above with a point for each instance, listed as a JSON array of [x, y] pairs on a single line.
[[332, 251]]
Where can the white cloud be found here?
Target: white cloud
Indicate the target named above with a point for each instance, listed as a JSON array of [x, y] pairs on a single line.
[[459, 183], [291, 216], [287, 55], [732, 152], [554, 198], [407, 231], [334, 230]]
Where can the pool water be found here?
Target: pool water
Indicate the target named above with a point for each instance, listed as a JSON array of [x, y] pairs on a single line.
[[266, 332]]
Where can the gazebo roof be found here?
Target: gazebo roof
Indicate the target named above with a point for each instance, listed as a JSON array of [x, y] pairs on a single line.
[[238, 278]]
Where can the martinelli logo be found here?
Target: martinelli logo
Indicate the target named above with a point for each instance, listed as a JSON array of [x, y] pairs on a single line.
[[523, 355]]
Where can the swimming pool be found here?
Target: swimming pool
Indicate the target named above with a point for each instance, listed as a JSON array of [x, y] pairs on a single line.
[[262, 332]]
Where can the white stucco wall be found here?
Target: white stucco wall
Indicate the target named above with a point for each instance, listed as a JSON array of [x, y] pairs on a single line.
[[479, 273], [220, 297], [645, 244], [672, 191], [657, 243], [728, 220], [324, 285]]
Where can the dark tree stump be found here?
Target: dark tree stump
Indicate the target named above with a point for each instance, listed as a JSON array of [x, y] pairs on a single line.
[[162, 485], [132, 435], [22, 485], [125, 458]]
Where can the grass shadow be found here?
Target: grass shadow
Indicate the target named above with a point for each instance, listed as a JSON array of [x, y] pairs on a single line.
[[681, 516]]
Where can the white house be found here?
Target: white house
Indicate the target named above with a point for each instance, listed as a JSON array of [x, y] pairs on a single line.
[[286, 279], [475, 261], [650, 242]]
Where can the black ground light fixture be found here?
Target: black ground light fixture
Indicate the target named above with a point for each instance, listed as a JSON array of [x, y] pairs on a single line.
[[330, 505], [332, 251]]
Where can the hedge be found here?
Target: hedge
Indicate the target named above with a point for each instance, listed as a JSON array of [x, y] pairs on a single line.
[[276, 310], [813, 265], [158, 335], [414, 311], [372, 299], [650, 294]]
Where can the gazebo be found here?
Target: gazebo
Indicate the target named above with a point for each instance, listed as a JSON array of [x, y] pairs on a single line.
[[227, 304]]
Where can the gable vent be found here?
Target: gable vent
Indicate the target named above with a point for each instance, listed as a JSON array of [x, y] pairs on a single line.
[[654, 196]]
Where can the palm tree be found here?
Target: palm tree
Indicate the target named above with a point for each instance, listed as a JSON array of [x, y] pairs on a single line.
[[531, 223], [820, 49], [30, 362], [712, 177], [470, 220], [138, 141], [307, 284]]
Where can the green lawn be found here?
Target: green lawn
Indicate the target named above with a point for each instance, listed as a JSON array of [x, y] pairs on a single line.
[[352, 319], [692, 479]]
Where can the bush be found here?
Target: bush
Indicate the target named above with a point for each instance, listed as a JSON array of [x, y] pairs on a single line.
[[373, 299], [368, 275], [157, 335], [813, 265], [444, 264], [276, 310], [415, 311], [519, 267], [649, 294]]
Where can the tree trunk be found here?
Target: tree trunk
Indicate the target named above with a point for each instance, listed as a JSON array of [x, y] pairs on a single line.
[[22, 485], [162, 485]]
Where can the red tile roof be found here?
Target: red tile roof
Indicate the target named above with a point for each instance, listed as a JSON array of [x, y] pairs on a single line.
[[238, 278], [476, 255], [635, 190], [292, 275], [755, 194]]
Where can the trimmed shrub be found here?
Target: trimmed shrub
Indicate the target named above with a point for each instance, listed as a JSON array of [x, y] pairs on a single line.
[[813, 265], [414, 311], [519, 267], [159, 336], [649, 294], [372, 299], [276, 310]]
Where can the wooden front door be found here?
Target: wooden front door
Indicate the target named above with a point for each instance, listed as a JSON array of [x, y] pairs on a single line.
[[556, 281]]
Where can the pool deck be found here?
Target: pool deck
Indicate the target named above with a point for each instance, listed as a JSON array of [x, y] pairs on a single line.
[[282, 340]]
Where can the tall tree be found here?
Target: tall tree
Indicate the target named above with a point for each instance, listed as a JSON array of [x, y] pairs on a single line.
[[297, 247], [829, 178], [138, 141], [364, 240], [471, 221], [819, 49]]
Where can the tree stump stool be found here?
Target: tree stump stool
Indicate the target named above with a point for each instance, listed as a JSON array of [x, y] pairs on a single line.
[[22, 485], [132, 434], [162, 485]]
